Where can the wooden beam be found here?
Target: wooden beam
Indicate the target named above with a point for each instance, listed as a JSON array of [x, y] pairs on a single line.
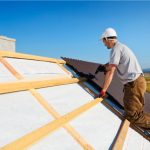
[[10, 68], [36, 135], [30, 57], [118, 144], [39, 83], [66, 126]]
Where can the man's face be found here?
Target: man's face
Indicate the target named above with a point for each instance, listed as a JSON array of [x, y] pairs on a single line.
[[107, 43]]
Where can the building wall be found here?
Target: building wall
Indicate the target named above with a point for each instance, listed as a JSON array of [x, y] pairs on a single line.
[[7, 44]]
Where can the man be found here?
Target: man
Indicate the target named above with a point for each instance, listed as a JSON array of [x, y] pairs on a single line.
[[123, 61]]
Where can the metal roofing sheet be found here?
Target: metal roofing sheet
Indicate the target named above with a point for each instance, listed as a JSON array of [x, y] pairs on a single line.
[[116, 87]]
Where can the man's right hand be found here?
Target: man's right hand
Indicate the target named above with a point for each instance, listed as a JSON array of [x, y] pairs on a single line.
[[102, 68]]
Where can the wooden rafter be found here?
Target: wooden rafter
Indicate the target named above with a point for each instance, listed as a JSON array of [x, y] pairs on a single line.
[[31, 57], [118, 144], [39, 83], [10, 68]]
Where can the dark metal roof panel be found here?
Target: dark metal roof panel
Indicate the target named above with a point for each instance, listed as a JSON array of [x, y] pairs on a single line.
[[116, 87]]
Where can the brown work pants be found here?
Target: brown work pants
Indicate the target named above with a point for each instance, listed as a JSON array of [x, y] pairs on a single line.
[[134, 103]]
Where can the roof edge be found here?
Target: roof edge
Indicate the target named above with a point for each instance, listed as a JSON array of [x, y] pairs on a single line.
[[30, 57]]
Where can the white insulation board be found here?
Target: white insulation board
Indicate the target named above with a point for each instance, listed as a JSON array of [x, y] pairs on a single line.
[[20, 113], [5, 75], [135, 141], [99, 126], [58, 140], [65, 98], [33, 68], [96, 125]]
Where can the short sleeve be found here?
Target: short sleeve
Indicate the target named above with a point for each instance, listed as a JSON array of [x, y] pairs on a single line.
[[115, 56]]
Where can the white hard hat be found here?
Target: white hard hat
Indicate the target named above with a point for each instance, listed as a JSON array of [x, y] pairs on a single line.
[[109, 32]]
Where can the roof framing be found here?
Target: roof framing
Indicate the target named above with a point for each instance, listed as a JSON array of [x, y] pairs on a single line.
[[118, 144], [23, 84], [60, 121], [66, 126], [31, 85], [31, 57], [36, 135]]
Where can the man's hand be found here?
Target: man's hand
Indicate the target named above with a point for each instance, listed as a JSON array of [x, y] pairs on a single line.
[[102, 68], [88, 76], [102, 94]]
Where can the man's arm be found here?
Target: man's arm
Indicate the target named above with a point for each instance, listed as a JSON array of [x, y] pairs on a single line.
[[108, 77]]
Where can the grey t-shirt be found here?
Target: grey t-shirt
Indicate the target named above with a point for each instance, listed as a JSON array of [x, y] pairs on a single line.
[[128, 68]]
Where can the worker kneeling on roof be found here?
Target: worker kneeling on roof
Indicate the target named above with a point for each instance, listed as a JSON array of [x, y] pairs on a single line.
[[130, 73]]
